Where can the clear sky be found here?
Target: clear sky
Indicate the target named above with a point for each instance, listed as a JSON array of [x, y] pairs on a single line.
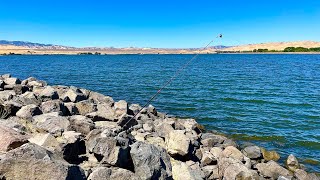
[[158, 23]]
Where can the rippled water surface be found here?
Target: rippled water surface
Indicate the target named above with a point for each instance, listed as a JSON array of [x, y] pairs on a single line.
[[271, 100]]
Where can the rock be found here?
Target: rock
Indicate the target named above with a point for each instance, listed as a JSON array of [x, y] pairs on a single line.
[[27, 98], [230, 168], [155, 140], [72, 147], [178, 143], [134, 109], [300, 174], [270, 155], [272, 169], [73, 95], [10, 139], [252, 152], [71, 108], [127, 121], [181, 171], [19, 89], [292, 163], [81, 124], [151, 110], [211, 172], [35, 83], [210, 140], [216, 152], [148, 127], [31, 161], [104, 173], [85, 107], [6, 95], [120, 107], [45, 140], [107, 149], [51, 123], [207, 159], [11, 81], [150, 162], [49, 93], [285, 178], [54, 106], [104, 113], [7, 110], [100, 98], [6, 76], [163, 129], [232, 152], [28, 111]]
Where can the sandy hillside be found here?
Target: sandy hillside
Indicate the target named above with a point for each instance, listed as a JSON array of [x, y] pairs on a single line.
[[274, 46]]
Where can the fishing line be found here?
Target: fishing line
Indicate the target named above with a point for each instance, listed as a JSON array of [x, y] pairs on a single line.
[[176, 74]]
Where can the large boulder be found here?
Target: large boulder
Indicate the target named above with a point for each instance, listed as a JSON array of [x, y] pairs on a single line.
[[210, 140], [51, 123], [54, 106], [12, 81], [6, 95], [108, 151], [104, 113], [85, 107], [28, 111], [31, 161], [270, 155], [45, 140], [230, 168], [104, 173], [81, 124], [73, 95], [150, 162], [10, 139], [178, 143], [252, 152], [292, 163], [100, 98], [48, 93], [120, 107], [272, 169], [27, 98], [182, 171], [211, 172]]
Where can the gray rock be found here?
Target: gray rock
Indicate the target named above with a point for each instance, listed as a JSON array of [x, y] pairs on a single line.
[[252, 152], [6, 76], [210, 140], [120, 107], [104, 113], [292, 163], [126, 121], [211, 172], [71, 108], [180, 170], [285, 178], [148, 127], [134, 109], [51, 123], [49, 93], [73, 95], [272, 169], [31, 161], [150, 162], [100, 98], [27, 98], [10, 139], [81, 124], [28, 111], [6, 95], [104, 173], [73, 146], [163, 129], [54, 106], [178, 143], [11, 81], [85, 107], [45, 140], [35, 83], [230, 168]]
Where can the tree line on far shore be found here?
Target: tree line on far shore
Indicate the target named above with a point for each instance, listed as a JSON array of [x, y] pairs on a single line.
[[290, 49]]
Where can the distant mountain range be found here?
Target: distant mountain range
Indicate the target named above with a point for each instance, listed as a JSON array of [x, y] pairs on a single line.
[[47, 46], [24, 47]]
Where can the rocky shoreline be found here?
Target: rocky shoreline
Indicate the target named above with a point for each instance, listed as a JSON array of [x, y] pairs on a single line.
[[61, 132]]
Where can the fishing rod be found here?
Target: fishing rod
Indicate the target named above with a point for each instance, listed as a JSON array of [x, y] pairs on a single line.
[[176, 74]]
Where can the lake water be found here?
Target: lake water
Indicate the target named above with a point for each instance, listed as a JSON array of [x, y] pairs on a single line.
[[270, 100]]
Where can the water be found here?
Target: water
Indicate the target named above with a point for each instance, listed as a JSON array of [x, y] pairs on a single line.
[[271, 100]]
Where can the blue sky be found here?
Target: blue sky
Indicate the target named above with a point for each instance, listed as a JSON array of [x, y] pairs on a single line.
[[165, 23]]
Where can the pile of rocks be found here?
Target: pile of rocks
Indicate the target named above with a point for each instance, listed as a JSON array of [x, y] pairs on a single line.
[[60, 132]]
